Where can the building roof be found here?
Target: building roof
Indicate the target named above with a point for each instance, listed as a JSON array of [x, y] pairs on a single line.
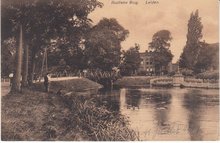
[[146, 53]]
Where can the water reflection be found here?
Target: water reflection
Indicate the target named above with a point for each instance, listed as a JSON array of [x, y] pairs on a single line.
[[168, 114], [109, 99], [133, 98], [193, 102], [161, 103]]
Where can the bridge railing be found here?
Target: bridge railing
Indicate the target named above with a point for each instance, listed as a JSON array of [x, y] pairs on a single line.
[[201, 85]]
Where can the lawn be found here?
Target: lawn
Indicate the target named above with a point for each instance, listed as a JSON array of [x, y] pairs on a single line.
[[38, 116], [134, 81]]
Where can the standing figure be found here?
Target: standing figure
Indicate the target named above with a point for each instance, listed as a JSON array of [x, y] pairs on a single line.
[[11, 75], [46, 82]]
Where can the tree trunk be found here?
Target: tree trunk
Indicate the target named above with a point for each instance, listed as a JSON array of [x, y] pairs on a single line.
[[25, 68], [16, 85], [32, 69]]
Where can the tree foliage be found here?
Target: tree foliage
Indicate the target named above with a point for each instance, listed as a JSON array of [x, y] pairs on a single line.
[[42, 20], [190, 54], [209, 75], [131, 60], [160, 45], [47, 18], [207, 58], [103, 44], [8, 48]]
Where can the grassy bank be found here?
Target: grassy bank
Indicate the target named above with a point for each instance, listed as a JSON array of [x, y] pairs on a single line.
[[133, 81], [40, 116]]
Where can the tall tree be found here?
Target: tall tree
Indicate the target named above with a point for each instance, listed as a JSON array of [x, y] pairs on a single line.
[[131, 60], [43, 20], [161, 54], [25, 67], [16, 84], [103, 44], [189, 57]]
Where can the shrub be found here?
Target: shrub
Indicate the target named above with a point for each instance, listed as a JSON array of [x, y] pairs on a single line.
[[99, 123], [209, 75], [187, 72]]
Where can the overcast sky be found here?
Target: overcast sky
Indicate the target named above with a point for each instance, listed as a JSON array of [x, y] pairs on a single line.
[[143, 20]]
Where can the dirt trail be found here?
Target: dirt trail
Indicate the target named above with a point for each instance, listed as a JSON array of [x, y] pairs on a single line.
[[5, 88]]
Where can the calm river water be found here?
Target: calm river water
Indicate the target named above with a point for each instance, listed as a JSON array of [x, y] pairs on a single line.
[[168, 114]]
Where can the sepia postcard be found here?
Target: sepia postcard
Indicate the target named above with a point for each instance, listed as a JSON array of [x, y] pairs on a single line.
[[110, 70]]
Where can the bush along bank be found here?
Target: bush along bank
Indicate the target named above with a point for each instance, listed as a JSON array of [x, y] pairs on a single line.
[[98, 123], [37, 116]]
